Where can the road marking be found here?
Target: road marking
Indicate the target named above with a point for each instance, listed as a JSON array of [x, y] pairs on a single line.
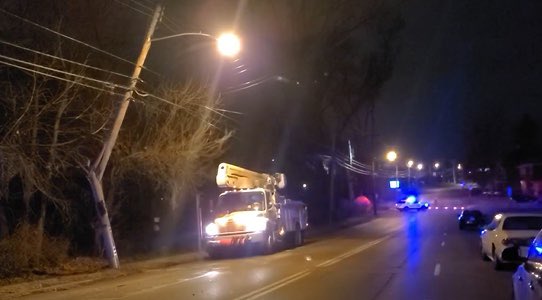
[[442, 244], [156, 287], [267, 289], [354, 251], [437, 270], [292, 278]]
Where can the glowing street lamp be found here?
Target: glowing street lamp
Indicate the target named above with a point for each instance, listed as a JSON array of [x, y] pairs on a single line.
[[459, 167], [419, 167], [228, 44], [391, 156], [437, 165]]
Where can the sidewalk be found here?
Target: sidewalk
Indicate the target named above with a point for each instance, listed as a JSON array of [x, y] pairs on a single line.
[[59, 283]]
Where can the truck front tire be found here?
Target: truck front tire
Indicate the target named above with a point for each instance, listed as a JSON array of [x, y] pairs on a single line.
[[298, 236], [268, 245]]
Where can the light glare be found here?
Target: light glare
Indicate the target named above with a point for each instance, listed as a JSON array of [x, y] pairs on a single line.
[[391, 156], [228, 44]]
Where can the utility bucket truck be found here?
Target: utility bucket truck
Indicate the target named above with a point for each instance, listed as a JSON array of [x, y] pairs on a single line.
[[250, 212]]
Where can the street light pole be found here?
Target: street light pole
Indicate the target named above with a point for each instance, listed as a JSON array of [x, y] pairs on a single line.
[[95, 173], [409, 177], [397, 173], [410, 163], [453, 173], [375, 210]]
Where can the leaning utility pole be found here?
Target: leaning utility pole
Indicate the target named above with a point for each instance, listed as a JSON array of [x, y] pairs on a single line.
[[96, 172]]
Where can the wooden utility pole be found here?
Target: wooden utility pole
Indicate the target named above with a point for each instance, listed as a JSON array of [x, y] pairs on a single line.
[[97, 170]]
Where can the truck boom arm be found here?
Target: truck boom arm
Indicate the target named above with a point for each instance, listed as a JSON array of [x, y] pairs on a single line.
[[232, 176]]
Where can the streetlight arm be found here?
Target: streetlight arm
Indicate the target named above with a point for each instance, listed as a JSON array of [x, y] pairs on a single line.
[[183, 34]]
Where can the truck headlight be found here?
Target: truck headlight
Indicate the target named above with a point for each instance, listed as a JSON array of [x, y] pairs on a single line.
[[211, 229], [256, 224]]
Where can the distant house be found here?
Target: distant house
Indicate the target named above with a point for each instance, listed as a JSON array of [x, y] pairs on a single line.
[[530, 179]]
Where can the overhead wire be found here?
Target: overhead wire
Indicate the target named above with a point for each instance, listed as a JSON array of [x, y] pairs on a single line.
[[74, 40], [63, 59], [133, 8], [106, 83], [344, 161], [150, 95], [249, 84], [176, 105], [59, 78], [149, 8]]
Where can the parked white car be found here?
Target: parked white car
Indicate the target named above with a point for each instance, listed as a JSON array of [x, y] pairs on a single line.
[[507, 238], [526, 280]]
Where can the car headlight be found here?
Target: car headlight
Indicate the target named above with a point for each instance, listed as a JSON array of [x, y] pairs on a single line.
[[256, 224], [211, 229]]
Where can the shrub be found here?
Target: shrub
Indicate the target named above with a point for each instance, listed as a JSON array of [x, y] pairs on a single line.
[[20, 252]]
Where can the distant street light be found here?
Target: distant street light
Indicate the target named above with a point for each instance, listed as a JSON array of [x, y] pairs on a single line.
[[459, 167], [437, 165], [391, 156], [305, 186], [419, 166]]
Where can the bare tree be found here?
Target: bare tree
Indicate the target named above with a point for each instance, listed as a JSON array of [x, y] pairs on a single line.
[[174, 143], [49, 129]]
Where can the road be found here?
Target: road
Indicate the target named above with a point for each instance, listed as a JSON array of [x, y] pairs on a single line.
[[400, 255]]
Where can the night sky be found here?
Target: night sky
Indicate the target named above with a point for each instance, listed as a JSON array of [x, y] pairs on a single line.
[[461, 62]]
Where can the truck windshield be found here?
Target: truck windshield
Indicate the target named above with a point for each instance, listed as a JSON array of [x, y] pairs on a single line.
[[241, 201]]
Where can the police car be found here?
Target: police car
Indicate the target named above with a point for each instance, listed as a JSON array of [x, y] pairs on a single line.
[[411, 202]]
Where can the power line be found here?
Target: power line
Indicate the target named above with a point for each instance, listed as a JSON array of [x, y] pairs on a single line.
[[179, 106], [249, 84], [149, 13], [149, 8], [133, 8], [220, 112], [73, 39], [106, 83], [63, 59], [59, 78], [147, 1]]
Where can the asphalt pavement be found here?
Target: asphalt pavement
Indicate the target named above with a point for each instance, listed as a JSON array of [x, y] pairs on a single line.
[[400, 255]]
